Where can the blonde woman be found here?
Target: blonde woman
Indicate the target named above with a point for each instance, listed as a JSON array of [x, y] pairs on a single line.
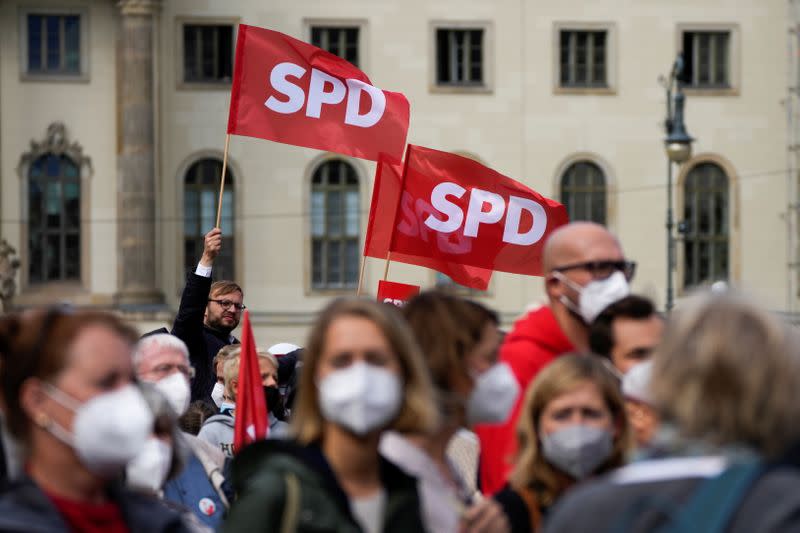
[[725, 383], [572, 425], [362, 375]]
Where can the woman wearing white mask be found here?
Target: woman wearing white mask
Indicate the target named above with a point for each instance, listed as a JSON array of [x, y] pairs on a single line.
[[572, 425], [363, 374], [459, 340], [67, 382]]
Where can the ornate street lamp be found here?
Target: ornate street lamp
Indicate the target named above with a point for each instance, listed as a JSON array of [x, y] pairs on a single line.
[[678, 146]]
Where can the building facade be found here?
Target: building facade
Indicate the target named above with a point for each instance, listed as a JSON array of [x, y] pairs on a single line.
[[113, 118]]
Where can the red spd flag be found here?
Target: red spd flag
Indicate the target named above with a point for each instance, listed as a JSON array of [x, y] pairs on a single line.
[[291, 92], [460, 211], [251, 408], [382, 215], [390, 292]]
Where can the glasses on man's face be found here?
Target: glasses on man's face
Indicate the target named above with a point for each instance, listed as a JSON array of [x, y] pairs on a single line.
[[168, 368], [602, 269], [225, 304]]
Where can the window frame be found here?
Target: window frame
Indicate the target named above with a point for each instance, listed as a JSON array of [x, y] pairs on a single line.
[[610, 28], [180, 23], [341, 23], [605, 188], [25, 75], [488, 56], [696, 237], [734, 57]]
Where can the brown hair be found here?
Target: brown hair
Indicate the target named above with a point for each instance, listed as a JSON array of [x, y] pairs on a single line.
[[557, 378], [417, 414], [34, 344], [225, 286], [447, 329], [728, 373]]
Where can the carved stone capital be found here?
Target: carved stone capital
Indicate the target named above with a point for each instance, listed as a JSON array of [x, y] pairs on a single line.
[[139, 7], [55, 142]]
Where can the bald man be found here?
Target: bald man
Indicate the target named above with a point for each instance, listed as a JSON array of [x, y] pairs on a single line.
[[585, 270]]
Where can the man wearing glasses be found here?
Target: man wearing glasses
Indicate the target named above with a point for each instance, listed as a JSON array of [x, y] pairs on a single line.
[[585, 271], [207, 315]]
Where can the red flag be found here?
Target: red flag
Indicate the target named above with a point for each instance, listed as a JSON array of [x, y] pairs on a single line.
[[251, 408], [460, 211], [390, 292], [291, 92], [382, 213]]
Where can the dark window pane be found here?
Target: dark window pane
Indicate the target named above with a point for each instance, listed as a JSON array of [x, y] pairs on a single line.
[[335, 262], [52, 257], [72, 43], [35, 202], [53, 204], [316, 263], [351, 262], [583, 192], [706, 214], [459, 56], [190, 71], [35, 272], [72, 205], [72, 257], [34, 42], [53, 37], [442, 57], [207, 52]]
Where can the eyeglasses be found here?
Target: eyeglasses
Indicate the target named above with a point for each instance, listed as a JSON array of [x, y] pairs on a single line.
[[603, 269], [169, 368], [228, 303]]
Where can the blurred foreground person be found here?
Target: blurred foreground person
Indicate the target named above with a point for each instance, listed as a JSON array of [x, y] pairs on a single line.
[[585, 271], [162, 360], [363, 374], [459, 341], [572, 426], [725, 381], [67, 382]]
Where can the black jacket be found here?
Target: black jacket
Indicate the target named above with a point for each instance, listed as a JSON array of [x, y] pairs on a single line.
[[264, 472], [203, 342], [24, 508]]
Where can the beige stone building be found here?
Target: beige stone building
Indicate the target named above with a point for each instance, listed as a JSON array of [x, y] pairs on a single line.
[[113, 117]]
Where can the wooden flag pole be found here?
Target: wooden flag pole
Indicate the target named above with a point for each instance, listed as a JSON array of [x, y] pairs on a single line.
[[361, 275], [386, 270], [222, 178]]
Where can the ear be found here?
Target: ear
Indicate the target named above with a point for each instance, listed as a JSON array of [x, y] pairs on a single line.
[[553, 287], [32, 398]]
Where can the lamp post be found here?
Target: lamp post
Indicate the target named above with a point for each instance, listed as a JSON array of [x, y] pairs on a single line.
[[678, 146]]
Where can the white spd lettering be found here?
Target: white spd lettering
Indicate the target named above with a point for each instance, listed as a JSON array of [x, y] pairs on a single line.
[[394, 301], [324, 89], [477, 214]]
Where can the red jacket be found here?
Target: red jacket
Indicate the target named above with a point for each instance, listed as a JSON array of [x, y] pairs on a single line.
[[535, 341]]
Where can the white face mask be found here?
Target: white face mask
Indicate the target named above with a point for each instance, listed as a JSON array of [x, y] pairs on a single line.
[[108, 430], [148, 470], [493, 397], [361, 397], [578, 449], [595, 295], [175, 389], [218, 394]]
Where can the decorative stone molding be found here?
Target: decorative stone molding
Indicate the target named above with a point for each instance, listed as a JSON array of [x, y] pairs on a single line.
[[55, 142], [9, 264], [139, 7]]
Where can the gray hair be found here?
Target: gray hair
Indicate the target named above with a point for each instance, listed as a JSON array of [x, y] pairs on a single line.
[[155, 342]]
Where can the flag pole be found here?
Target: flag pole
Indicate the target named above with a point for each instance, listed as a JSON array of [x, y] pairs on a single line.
[[361, 275], [222, 178], [386, 270]]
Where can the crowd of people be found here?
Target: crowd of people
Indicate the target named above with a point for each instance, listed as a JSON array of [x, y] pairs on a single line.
[[594, 412]]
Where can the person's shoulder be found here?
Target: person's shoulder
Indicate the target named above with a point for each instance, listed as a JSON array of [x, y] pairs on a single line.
[[773, 503], [24, 507]]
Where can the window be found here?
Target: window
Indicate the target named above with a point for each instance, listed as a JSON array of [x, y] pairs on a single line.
[[705, 215], [200, 197], [583, 192], [342, 41], [207, 53], [54, 219], [335, 226], [706, 59], [583, 58], [54, 44], [460, 56]]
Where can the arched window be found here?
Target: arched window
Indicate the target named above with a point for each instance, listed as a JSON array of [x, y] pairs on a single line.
[[54, 219], [583, 192], [705, 217], [200, 196], [335, 226]]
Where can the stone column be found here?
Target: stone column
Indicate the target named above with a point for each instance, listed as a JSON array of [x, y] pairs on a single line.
[[136, 171]]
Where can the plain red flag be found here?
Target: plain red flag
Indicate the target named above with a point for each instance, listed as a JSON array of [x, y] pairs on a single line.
[[456, 210], [251, 407], [382, 214], [291, 92]]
